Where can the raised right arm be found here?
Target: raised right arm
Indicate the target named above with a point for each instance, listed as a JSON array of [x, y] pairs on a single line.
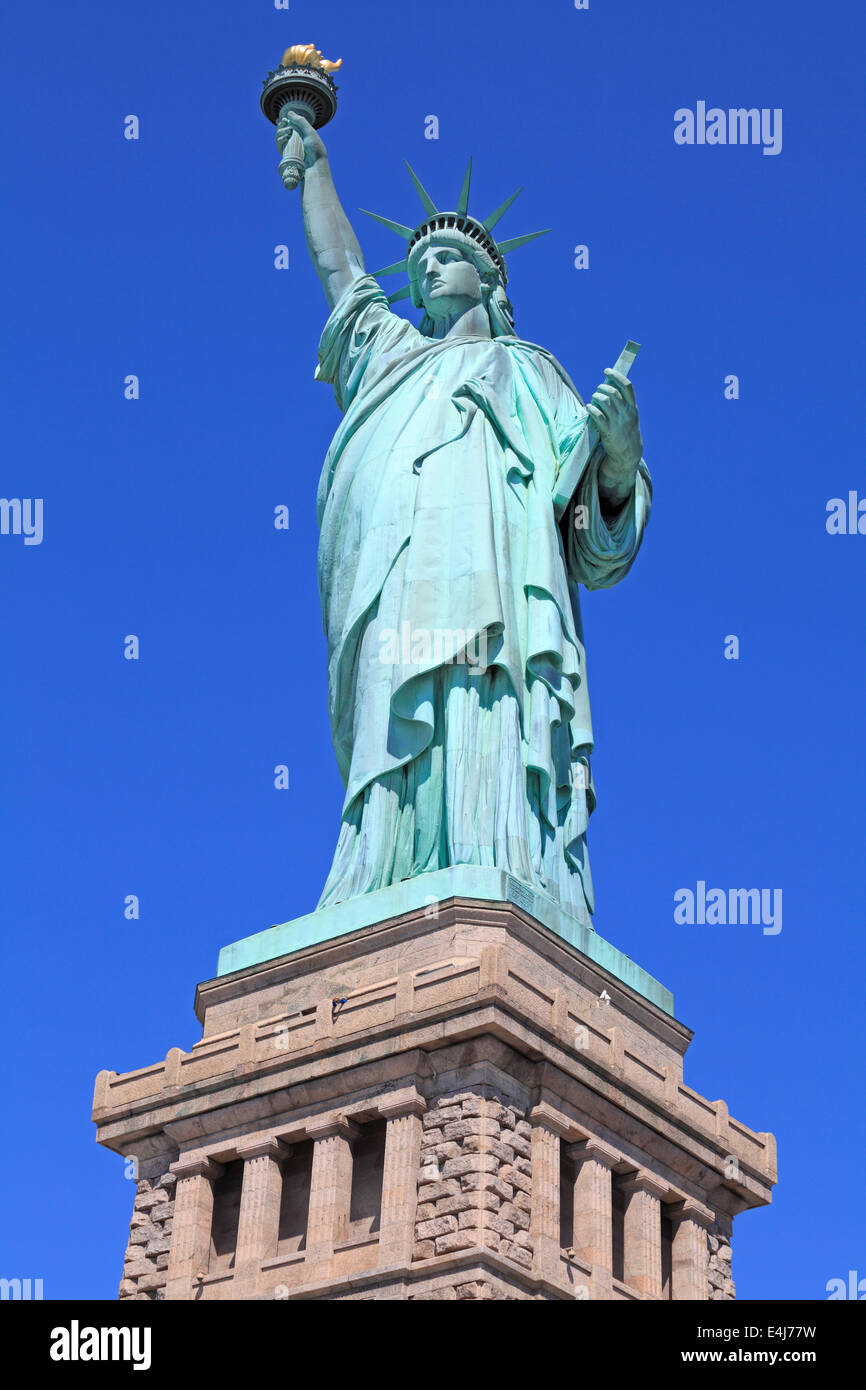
[[331, 242]]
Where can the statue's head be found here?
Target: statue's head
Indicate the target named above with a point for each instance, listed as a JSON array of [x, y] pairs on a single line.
[[448, 276], [454, 262]]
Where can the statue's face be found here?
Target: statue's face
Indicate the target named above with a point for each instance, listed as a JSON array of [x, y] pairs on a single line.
[[448, 282]]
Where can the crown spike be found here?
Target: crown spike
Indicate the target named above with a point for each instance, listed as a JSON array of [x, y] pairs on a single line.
[[463, 200], [400, 294], [491, 221], [406, 233], [516, 241], [429, 206], [389, 269]]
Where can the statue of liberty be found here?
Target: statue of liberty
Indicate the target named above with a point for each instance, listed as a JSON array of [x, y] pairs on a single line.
[[466, 495]]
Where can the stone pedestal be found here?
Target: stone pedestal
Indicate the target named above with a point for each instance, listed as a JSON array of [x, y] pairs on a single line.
[[453, 1102]]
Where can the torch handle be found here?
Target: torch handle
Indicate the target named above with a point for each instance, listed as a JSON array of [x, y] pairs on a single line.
[[292, 162]]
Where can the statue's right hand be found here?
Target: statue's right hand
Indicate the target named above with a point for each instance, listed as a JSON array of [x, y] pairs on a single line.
[[314, 147]]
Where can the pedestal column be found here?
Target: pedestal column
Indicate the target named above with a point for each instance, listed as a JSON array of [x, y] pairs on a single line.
[[593, 1210], [642, 1254], [400, 1177], [259, 1218], [330, 1193], [689, 1259], [547, 1129], [191, 1225]]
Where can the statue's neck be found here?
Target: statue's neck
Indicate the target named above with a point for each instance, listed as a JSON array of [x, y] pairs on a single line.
[[473, 322]]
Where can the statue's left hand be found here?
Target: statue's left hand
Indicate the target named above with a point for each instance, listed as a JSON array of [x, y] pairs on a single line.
[[614, 414]]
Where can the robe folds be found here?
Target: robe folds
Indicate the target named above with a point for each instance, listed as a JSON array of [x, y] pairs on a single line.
[[449, 565]]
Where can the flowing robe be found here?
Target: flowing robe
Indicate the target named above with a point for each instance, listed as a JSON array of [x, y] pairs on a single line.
[[459, 510]]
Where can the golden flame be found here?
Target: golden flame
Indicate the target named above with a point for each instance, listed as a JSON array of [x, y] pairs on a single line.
[[307, 53]]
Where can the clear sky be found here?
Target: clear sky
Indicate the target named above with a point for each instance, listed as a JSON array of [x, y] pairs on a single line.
[[155, 777]]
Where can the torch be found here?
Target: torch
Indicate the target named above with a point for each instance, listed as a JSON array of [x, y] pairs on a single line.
[[301, 83]]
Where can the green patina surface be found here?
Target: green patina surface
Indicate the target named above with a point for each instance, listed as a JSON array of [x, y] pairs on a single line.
[[466, 497], [424, 892]]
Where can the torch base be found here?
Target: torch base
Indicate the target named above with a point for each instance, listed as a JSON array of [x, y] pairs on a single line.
[[311, 91]]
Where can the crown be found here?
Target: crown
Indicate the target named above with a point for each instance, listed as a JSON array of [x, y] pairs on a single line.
[[458, 226]]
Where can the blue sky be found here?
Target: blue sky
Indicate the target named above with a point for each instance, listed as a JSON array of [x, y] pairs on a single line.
[[155, 777]]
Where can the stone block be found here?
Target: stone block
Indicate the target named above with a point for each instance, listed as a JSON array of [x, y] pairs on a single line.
[[517, 1142], [439, 1226], [148, 1282], [517, 1253], [509, 1212], [469, 1201], [434, 1191], [474, 1125], [499, 1225], [160, 1246], [434, 1119], [456, 1240], [483, 1143], [484, 1290], [155, 1198], [470, 1163], [511, 1174], [142, 1234], [487, 1182], [443, 1151]]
